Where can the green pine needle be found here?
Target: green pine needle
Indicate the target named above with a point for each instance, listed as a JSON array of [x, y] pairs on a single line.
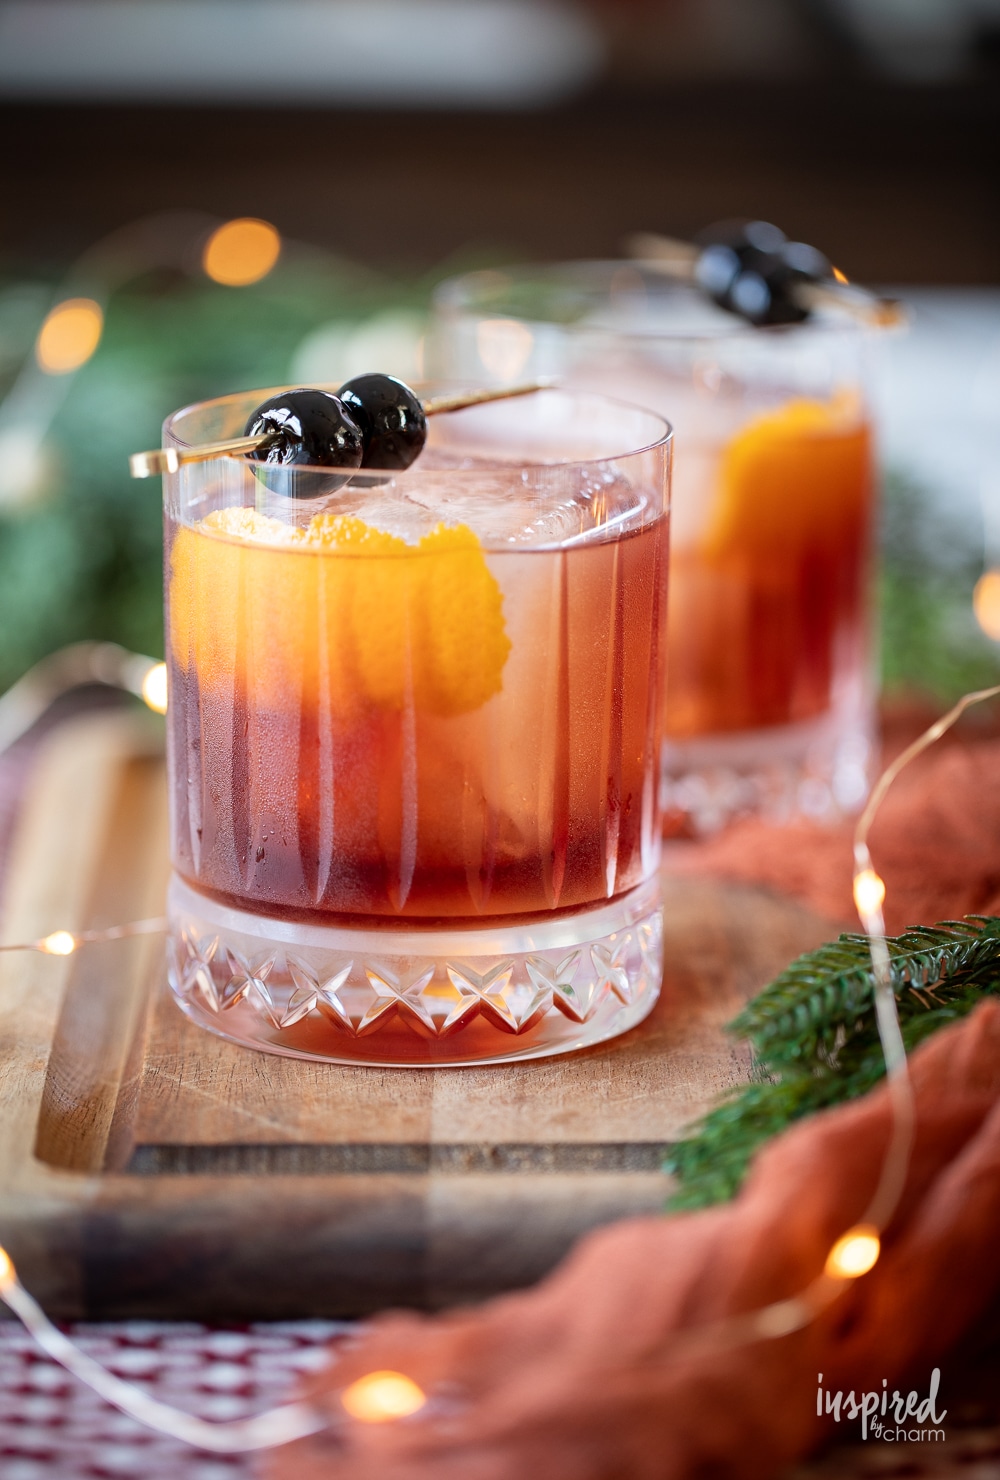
[[816, 1043]]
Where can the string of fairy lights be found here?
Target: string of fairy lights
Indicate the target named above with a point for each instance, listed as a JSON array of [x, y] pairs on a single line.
[[386, 1396], [234, 254], [237, 253]]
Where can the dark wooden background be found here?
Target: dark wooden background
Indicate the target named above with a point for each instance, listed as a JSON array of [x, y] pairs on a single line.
[[898, 183]]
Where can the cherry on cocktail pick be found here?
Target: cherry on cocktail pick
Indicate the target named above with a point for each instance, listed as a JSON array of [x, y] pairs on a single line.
[[751, 269], [393, 422], [304, 429], [375, 421]]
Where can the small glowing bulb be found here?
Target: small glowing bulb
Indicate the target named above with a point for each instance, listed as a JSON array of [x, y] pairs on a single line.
[[380, 1397], [869, 892], [154, 688], [854, 1253], [8, 1274], [69, 336], [241, 252], [986, 603], [59, 943], [841, 277]]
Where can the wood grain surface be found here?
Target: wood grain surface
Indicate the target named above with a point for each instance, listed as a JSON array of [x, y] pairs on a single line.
[[147, 1167]]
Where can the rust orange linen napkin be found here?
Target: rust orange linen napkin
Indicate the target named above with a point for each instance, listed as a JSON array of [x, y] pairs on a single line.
[[596, 1375], [936, 842]]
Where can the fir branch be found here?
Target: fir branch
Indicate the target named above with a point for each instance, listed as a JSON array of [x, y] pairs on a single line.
[[816, 1042], [826, 995]]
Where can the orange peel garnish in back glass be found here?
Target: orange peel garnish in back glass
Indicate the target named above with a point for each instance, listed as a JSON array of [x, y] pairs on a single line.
[[338, 612], [792, 479]]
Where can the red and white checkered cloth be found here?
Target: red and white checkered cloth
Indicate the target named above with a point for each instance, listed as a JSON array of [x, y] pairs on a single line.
[[54, 1428]]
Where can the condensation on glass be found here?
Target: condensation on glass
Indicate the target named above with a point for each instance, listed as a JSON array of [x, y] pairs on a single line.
[[414, 730]]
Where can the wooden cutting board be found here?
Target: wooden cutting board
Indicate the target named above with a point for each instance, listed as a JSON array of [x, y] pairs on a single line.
[[149, 1168]]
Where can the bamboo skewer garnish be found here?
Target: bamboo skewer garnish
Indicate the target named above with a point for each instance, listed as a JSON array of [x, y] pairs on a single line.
[[679, 260], [170, 459]]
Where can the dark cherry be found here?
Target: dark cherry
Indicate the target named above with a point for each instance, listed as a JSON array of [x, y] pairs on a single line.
[[391, 419], [310, 429], [751, 269]]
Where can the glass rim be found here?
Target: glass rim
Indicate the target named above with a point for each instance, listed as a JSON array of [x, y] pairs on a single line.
[[593, 276], [663, 439]]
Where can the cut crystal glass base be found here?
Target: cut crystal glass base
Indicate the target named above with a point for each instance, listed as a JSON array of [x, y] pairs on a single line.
[[821, 770], [409, 997]]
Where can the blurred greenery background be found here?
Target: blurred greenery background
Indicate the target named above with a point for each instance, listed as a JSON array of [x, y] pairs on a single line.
[[80, 553], [389, 154]]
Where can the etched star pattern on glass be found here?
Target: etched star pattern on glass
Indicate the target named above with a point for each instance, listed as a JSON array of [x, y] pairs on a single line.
[[413, 738]]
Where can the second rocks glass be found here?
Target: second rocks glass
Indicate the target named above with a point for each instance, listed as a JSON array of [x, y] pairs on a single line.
[[770, 692]]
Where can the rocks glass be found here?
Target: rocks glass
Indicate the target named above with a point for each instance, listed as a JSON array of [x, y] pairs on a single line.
[[769, 706], [414, 728]]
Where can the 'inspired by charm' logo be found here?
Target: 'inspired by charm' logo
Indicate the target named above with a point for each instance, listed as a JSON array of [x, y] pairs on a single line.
[[884, 1417]]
